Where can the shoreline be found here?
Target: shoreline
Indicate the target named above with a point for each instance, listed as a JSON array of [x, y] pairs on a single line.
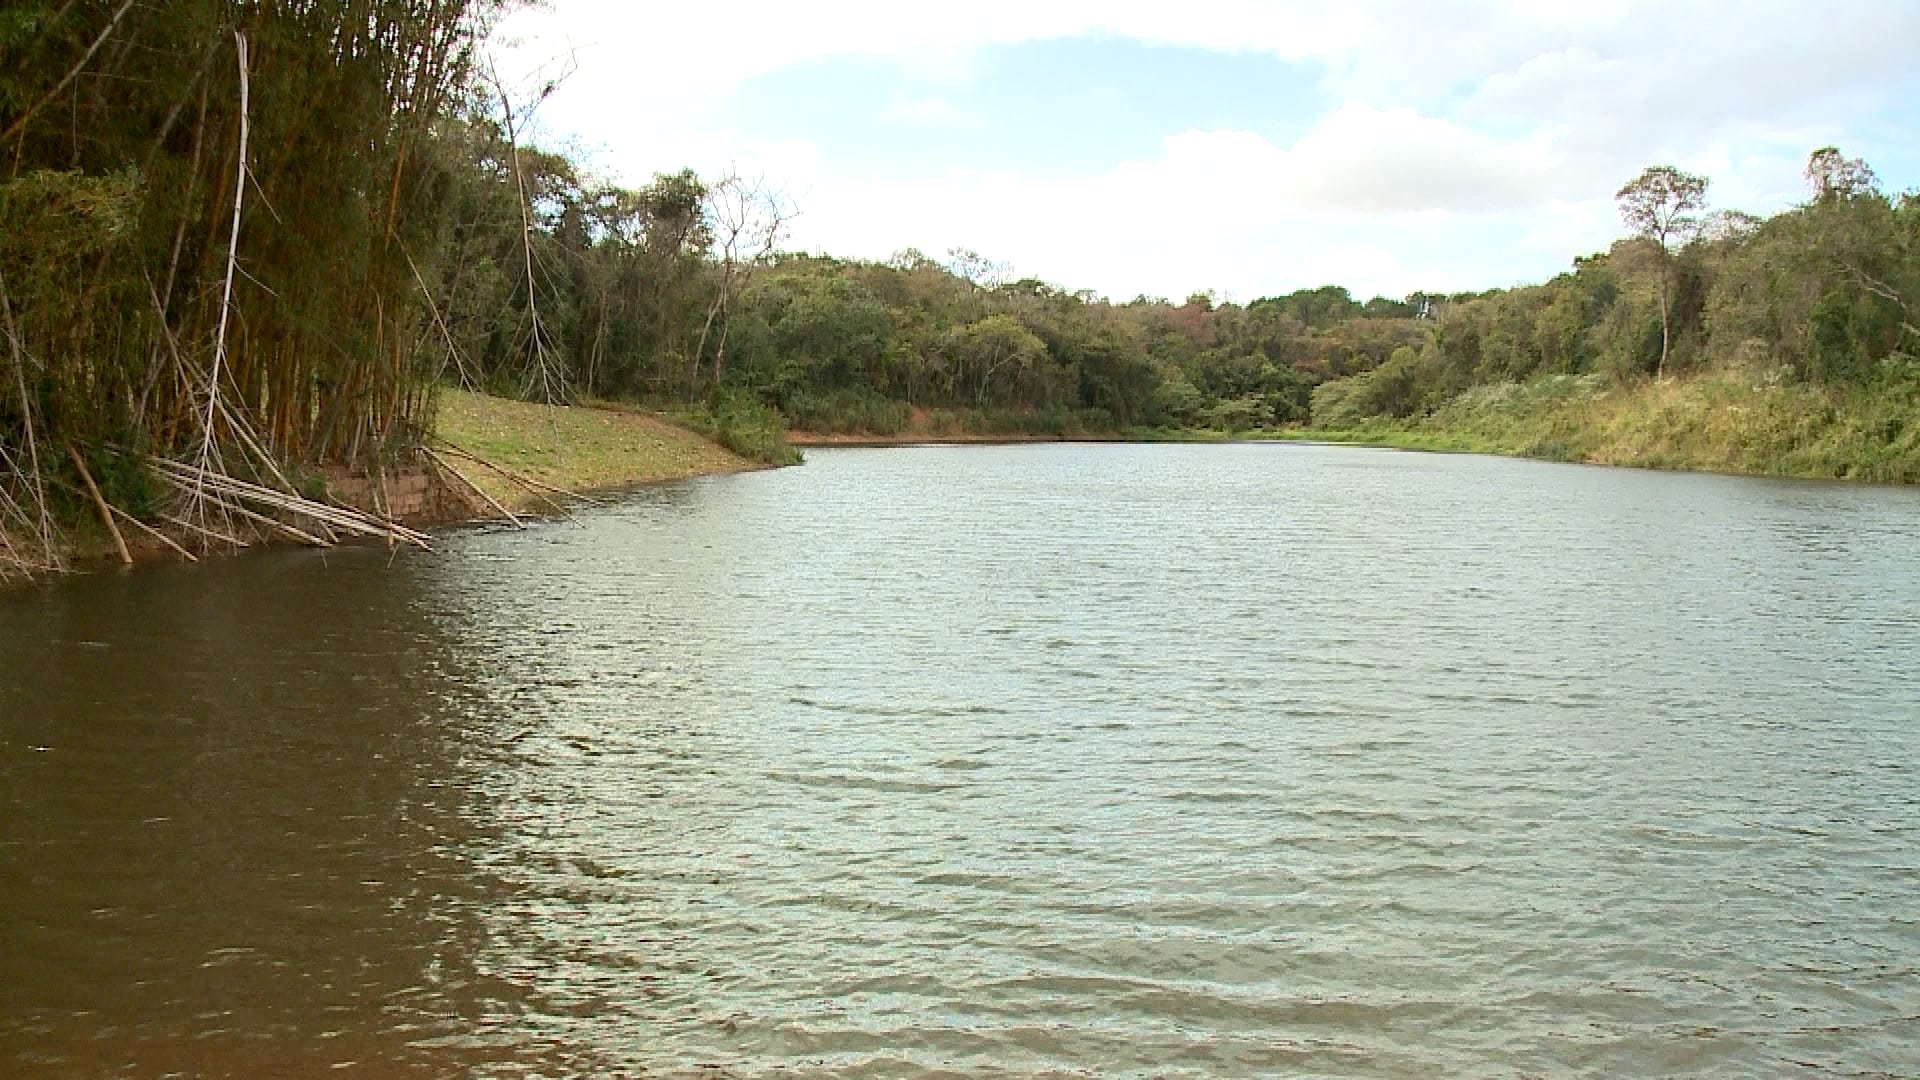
[[584, 451], [600, 449], [596, 449], [1407, 441], [819, 439]]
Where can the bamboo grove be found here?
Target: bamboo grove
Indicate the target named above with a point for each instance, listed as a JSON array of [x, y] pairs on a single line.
[[210, 212]]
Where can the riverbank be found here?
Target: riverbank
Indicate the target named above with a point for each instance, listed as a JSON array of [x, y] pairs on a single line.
[[1736, 422], [549, 451], [875, 422], [922, 438], [577, 448]]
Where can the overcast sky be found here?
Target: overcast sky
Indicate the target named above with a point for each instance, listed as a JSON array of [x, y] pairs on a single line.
[[1250, 147]]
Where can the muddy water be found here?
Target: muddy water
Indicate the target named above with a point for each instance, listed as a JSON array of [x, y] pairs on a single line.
[[1168, 760]]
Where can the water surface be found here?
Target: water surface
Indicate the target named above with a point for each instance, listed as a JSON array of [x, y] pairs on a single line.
[[1016, 760]]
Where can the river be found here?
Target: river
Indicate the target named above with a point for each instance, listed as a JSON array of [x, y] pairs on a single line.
[[1168, 760]]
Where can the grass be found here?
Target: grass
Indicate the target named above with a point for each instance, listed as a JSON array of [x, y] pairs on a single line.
[[1734, 420], [848, 412], [575, 448], [1730, 421]]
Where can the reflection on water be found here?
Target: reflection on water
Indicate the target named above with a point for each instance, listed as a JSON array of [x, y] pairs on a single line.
[[1163, 759]]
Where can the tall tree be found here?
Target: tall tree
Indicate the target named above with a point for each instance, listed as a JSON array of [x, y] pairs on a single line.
[[1832, 175], [1663, 205]]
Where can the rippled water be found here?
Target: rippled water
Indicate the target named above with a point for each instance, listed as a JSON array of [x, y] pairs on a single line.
[[1024, 760]]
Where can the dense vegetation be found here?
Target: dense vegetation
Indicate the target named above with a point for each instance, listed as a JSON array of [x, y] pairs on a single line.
[[246, 236], [210, 216], [646, 304]]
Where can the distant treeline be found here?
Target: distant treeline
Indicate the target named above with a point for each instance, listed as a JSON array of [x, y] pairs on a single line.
[[643, 300], [1822, 293]]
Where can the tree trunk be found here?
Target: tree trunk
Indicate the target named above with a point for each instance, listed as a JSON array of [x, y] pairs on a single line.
[[1666, 330]]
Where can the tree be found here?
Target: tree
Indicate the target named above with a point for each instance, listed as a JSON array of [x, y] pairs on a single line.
[[747, 220], [1663, 205], [1832, 176], [982, 272], [981, 350]]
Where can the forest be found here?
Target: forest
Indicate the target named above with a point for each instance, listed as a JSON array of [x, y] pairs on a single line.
[[242, 239], [679, 294]]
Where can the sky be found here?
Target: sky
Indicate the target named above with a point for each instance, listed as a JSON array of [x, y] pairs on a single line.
[[1242, 147]]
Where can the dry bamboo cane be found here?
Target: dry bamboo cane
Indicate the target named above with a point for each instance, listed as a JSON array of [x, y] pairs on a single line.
[[233, 258], [45, 524], [531, 487], [153, 532], [453, 350], [180, 476], [100, 504], [357, 520], [272, 523], [528, 481], [380, 500], [491, 501], [222, 537], [279, 499]]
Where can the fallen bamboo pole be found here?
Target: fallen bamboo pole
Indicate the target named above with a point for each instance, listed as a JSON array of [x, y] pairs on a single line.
[[203, 530], [518, 478], [100, 504], [531, 487], [355, 521], [155, 533], [491, 501], [271, 523]]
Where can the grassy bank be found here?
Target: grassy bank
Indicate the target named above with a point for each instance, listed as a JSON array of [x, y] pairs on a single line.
[[1730, 421], [1726, 421], [577, 448]]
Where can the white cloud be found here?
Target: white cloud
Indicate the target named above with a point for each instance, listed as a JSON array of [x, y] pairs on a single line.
[[932, 112], [1477, 144], [1232, 210]]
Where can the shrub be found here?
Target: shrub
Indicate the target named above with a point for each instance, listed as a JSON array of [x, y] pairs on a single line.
[[745, 425]]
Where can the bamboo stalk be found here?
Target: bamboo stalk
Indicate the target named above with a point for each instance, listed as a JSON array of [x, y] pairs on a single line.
[[45, 525], [100, 504], [273, 523], [453, 350], [222, 537], [233, 257], [20, 124], [491, 501], [153, 532], [380, 499], [186, 477], [531, 486]]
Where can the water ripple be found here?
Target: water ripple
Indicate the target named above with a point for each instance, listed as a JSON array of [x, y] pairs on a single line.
[[1134, 760]]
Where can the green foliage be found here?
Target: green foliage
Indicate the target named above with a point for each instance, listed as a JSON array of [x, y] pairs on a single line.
[[1238, 414], [117, 211], [846, 412], [744, 425], [397, 231]]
